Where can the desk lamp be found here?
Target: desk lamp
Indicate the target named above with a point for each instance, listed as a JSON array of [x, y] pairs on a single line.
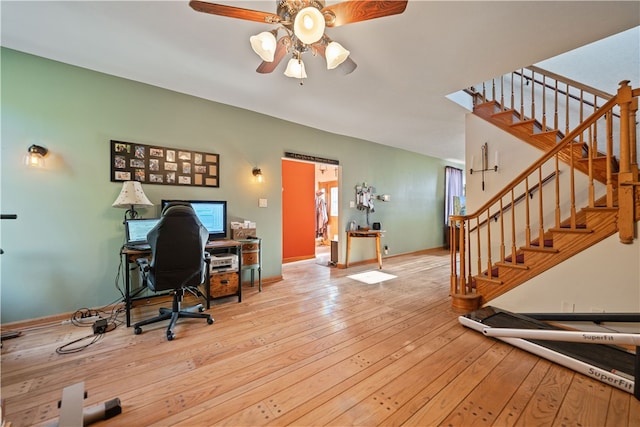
[[131, 196]]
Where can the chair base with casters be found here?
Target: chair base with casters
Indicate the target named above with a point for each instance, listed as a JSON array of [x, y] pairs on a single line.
[[174, 314]]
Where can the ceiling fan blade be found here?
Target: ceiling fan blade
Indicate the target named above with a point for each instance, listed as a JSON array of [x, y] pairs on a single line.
[[281, 50], [345, 68], [349, 12], [234, 12]]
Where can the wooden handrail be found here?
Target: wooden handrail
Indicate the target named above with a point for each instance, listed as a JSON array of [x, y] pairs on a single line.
[[568, 139], [580, 143], [519, 198], [599, 93], [576, 84]]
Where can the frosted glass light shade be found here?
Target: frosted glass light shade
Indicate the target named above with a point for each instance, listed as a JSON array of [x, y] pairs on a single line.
[[308, 25], [295, 69], [335, 55], [264, 44], [35, 156]]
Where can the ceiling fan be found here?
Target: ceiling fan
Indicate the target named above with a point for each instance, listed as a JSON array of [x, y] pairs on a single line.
[[303, 23]]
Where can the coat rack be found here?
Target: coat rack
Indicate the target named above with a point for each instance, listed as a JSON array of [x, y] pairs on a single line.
[[484, 148]]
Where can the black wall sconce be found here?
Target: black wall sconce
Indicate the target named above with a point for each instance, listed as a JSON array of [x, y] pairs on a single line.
[[257, 172], [485, 162]]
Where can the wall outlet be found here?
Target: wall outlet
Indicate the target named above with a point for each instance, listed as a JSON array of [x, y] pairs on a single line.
[[352, 204], [568, 307], [386, 250], [262, 203]]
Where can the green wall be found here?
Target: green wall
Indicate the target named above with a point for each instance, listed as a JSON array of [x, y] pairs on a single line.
[[62, 253]]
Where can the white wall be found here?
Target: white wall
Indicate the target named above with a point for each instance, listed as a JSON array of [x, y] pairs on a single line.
[[605, 277]]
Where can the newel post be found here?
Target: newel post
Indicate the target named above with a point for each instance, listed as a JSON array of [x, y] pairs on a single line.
[[626, 178]]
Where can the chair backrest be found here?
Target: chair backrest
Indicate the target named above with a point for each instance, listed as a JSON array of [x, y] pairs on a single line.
[[177, 250]]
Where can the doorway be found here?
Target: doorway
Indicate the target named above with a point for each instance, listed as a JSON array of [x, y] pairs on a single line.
[[310, 211], [327, 209]]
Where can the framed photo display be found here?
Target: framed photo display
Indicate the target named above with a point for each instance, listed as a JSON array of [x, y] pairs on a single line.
[[153, 164]]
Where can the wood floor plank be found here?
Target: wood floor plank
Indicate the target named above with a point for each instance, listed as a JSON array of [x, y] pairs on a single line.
[[356, 389], [618, 409], [483, 405], [280, 364], [451, 395], [360, 365], [353, 356], [316, 348], [585, 403], [516, 405], [386, 397], [545, 403]]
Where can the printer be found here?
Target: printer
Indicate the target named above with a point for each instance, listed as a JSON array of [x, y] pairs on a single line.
[[224, 262]]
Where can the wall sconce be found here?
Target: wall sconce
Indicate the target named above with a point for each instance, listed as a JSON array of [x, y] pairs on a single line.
[[257, 172], [35, 156], [485, 162]]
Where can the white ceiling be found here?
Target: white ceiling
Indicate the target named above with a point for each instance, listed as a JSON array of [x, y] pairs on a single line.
[[407, 63]]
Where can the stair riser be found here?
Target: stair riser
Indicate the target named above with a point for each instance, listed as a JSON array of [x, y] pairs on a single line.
[[568, 245], [605, 218]]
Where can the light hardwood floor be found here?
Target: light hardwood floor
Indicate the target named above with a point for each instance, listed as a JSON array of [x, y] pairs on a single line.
[[316, 348]]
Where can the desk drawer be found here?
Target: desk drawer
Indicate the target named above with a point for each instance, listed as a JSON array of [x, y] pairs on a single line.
[[250, 247], [249, 258], [223, 284]]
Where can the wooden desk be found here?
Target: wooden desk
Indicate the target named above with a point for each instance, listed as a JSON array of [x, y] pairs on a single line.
[[361, 233], [129, 256]]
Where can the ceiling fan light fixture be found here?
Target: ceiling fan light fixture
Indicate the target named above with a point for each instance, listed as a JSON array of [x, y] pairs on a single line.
[[335, 55], [308, 25], [264, 44], [295, 69]]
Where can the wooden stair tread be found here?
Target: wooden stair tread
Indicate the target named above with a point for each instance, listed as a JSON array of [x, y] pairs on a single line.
[[519, 266], [601, 209], [523, 123], [493, 280], [539, 249], [578, 230]]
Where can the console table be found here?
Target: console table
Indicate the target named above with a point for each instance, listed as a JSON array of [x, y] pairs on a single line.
[[129, 256], [252, 258], [375, 234]]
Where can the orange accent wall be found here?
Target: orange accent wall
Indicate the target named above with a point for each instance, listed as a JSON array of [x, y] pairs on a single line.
[[298, 210]]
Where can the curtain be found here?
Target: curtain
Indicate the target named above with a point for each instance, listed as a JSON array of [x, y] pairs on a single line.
[[452, 188]]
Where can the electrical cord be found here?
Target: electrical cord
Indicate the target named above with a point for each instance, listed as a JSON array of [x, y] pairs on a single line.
[[111, 322], [64, 349]]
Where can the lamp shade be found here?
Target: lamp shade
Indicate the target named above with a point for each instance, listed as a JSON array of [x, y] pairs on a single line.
[[264, 44], [335, 55], [35, 156], [295, 69], [308, 25], [131, 196]]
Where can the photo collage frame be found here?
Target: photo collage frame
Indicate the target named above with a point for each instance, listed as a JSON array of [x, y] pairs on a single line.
[[153, 164]]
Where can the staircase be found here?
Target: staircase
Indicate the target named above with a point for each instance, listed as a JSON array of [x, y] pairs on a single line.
[[582, 190]]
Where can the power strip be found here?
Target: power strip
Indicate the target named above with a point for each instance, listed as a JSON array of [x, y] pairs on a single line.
[[81, 320]]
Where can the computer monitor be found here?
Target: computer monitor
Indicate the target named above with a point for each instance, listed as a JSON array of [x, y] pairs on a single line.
[[211, 213]]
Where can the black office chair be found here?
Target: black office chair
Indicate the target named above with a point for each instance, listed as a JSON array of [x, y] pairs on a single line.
[[178, 261]]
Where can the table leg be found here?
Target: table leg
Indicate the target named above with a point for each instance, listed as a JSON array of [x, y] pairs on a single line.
[[346, 263], [378, 253], [127, 290]]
